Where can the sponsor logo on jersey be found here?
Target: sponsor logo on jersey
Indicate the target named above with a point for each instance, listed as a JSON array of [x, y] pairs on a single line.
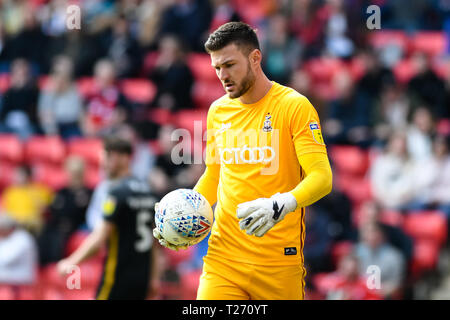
[[247, 155]]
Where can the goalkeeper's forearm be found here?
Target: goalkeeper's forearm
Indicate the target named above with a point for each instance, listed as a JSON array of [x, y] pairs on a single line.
[[318, 180], [208, 182]]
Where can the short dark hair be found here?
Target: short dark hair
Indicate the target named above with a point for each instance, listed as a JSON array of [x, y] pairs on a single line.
[[119, 145], [239, 33]]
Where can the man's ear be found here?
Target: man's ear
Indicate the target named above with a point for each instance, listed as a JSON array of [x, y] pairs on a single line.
[[255, 57]]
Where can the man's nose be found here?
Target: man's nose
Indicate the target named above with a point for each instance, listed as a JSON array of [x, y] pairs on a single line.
[[223, 75]]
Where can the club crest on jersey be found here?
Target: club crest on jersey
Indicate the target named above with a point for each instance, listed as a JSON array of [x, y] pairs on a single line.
[[316, 133], [267, 123]]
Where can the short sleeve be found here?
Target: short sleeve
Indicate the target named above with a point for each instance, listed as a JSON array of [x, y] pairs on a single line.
[[111, 207], [305, 127]]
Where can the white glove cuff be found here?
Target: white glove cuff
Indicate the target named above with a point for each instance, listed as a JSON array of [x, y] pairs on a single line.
[[287, 199]]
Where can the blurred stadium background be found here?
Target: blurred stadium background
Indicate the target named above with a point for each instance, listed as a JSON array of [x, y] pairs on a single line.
[[137, 68]]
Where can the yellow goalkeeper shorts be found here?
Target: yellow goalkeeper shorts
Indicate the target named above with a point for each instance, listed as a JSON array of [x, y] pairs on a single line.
[[230, 280]]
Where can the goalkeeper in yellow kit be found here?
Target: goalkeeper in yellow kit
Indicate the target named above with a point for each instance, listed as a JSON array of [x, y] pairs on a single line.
[[266, 161]]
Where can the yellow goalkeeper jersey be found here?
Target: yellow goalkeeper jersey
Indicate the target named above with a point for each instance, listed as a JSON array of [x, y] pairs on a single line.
[[253, 150]]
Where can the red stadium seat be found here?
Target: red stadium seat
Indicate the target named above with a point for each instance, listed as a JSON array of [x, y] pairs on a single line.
[[188, 119], [443, 127], [155, 147], [381, 39], [252, 11], [350, 160], [430, 42], [149, 62], [6, 293], [91, 272], [43, 82], [189, 284], [325, 282], [404, 71], [425, 257], [200, 65], [4, 82], [393, 218], [90, 149], [11, 148], [174, 258], [205, 92], [86, 86], [357, 189], [339, 250], [160, 116], [427, 225], [323, 69], [138, 90], [53, 176], [49, 276], [75, 240], [40, 149], [356, 68], [6, 174]]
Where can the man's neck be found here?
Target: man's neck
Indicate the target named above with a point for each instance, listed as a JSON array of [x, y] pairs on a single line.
[[121, 175], [260, 88]]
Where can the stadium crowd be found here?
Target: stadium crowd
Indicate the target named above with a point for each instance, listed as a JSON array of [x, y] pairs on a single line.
[[138, 69]]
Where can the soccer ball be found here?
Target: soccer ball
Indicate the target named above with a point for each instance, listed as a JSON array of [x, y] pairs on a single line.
[[184, 217]]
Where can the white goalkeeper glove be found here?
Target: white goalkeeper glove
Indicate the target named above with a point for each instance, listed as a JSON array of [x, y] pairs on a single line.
[[260, 215], [163, 241]]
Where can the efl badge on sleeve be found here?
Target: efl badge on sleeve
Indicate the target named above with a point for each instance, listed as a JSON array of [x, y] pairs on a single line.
[[109, 206], [316, 133]]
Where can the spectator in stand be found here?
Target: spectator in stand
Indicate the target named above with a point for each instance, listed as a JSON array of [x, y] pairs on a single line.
[[376, 76], [419, 134], [149, 16], [105, 107], [143, 158], [374, 250], [338, 207], [426, 87], [189, 20], [60, 105], [122, 48], [348, 115], [337, 40], [308, 22], [318, 241], [66, 213], [162, 177], [223, 12], [391, 112], [18, 254], [434, 177], [281, 52], [19, 107], [25, 201], [172, 76], [350, 284], [24, 43], [393, 174], [371, 212]]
